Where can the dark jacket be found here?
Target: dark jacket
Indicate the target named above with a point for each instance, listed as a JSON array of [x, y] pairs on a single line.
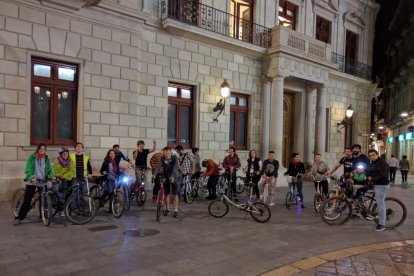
[[105, 168], [379, 171], [231, 161], [295, 169], [275, 164]]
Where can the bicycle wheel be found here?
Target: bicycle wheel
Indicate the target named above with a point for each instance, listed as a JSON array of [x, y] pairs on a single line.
[[335, 211], [288, 199], [80, 209], [317, 202], [218, 208], [128, 197], [260, 212], [17, 201], [188, 194], [46, 208], [265, 193], [396, 212], [240, 184], [141, 197], [117, 204], [96, 195], [160, 203]]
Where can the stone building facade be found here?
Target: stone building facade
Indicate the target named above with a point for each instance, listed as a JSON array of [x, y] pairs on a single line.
[[130, 56]]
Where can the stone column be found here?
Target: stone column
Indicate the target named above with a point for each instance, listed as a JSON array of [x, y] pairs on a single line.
[[276, 118], [320, 135], [309, 146], [267, 86]]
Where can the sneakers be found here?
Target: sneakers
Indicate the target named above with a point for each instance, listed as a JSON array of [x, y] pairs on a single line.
[[17, 222], [176, 214], [271, 204], [380, 228], [62, 214], [302, 206], [167, 212]]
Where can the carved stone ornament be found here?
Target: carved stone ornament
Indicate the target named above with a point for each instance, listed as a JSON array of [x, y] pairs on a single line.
[[69, 5], [332, 5], [354, 17]]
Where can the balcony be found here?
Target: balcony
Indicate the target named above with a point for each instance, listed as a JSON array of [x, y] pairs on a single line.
[[352, 67], [181, 16]]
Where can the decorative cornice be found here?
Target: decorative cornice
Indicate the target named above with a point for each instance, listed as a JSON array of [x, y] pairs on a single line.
[[69, 5]]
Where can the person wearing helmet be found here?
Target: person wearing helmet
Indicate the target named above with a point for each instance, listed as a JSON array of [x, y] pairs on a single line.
[[213, 173], [63, 172]]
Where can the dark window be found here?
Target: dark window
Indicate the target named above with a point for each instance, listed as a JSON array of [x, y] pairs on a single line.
[[54, 91], [323, 29], [241, 24], [238, 120], [180, 113], [287, 14], [183, 10], [351, 45]]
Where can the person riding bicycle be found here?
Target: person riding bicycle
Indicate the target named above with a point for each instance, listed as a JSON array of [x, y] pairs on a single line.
[[119, 155], [346, 160], [168, 167], [231, 163], [185, 165], [63, 171], [154, 161], [140, 156], [109, 171], [252, 167], [359, 184], [38, 169], [269, 170], [297, 169], [213, 173], [81, 167], [319, 170], [359, 158]]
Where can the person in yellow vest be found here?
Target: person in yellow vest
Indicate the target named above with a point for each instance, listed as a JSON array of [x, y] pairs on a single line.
[[63, 171], [81, 167]]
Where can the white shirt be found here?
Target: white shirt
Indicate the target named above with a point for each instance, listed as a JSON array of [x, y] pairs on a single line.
[[393, 162]]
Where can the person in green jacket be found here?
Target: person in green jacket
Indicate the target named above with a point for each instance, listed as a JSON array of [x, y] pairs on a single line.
[[63, 171], [38, 169]]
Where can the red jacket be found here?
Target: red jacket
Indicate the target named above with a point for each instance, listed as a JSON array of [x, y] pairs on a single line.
[[212, 168], [231, 161]]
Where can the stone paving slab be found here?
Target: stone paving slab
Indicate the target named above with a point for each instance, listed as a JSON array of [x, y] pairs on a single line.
[[195, 244]]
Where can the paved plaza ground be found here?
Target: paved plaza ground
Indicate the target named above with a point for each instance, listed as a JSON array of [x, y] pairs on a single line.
[[293, 241]]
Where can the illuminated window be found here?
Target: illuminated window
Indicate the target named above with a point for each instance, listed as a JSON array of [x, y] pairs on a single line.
[[287, 14]]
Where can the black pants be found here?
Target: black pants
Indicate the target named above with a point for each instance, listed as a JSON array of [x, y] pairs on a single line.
[[233, 181], [156, 186], [324, 186], [393, 170], [404, 174], [211, 185], [255, 180], [28, 195]]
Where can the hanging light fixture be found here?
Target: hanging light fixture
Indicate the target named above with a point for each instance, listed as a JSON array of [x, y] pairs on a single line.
[[65, 94], [349, 112], [48, 93], [59, 96], [37, 89], [220, 106]]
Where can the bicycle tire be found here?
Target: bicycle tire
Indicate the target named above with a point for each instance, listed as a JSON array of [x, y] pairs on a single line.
[[141, 197], [335, 208], [288, 200], [265, 193], [17, 201], [159, 209], [46, 208], [117, 204], [80, 209], [317, 202], [391, 210], [240, 187], [260, 212], [160, 203], [95, 194], [188, 193], [218, 208]]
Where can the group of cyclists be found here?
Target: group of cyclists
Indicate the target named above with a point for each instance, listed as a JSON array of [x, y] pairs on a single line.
[[73, 168]]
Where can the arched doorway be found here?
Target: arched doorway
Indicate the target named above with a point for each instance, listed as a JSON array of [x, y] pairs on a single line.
[[288, 103]]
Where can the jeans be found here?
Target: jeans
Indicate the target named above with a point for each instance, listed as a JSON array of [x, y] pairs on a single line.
[[380, 193], [393, 170], [82, 184], [404, 174]]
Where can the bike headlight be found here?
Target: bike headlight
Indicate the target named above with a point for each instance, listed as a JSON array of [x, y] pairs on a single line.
[[125, 179]]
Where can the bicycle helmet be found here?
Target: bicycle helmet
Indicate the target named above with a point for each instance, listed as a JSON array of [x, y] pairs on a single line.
[[63, 149]]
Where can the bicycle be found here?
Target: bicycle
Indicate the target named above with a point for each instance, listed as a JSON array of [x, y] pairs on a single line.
[[292, 196], [319, 196], [337, 210], [80, 208], [266, 193], [259, 211], [160, 197], [116, 198], [42, 195], [137, 191], [188, 191], [199, 186]]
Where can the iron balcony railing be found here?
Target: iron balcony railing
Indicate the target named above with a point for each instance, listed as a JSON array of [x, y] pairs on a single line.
[[209, 18], [350, 66]]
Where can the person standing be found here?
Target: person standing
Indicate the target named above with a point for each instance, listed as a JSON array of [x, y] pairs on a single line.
[[393, 164], [81, 167], [154, 161], [297, 169], [196, 163], [231, 163], [253, 166], [346, 161], [404, 168], [213, 173], [140, 156], [38, 169], [119, 155], [185, 166], [378, 175]]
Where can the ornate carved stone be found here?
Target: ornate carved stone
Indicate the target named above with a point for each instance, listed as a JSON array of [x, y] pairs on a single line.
[[69, 5]]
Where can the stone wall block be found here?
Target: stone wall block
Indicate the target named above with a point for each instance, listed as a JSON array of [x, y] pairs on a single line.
[[101, 32], [128, 120], [101, 57], [197, 58], [60, 22], [108, 142], [129, 51], [26, 42], [243, 81], [18, 26], [119, 131], [120, 84], [92, 92], [154, 91], [155, 48], [184, 55], [112, 47], [211, 61], [130, 74], [163, 39], [100, 81], [33, 15], [162, 60], [80, 27], [203, 69], [17, 83], [119, 60], [177, 43], [119, 108], [228, 56], [193, 71], [110, 118], [236, 80], [8, 124], [121, 37], [222, 63], [15, 111], [85, 54], [93, 67], [154, 112], [9, 67], [91, 42], [154, 133], [184, 69], [99, 130], [57, 42], [14, 139], [175, 68], [9, 9], [16, 54], [99, 105], [8, 38], [110, 94], [8, 153], [170, 52], [111, 71], [73, 42], [155, 69]]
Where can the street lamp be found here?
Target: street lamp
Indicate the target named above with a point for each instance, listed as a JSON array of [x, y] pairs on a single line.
[[220, 106], [349, 112], [346, 123]]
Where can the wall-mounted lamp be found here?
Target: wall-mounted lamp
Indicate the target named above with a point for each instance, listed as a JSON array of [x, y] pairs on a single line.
[[344, 123], [220, 106]]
